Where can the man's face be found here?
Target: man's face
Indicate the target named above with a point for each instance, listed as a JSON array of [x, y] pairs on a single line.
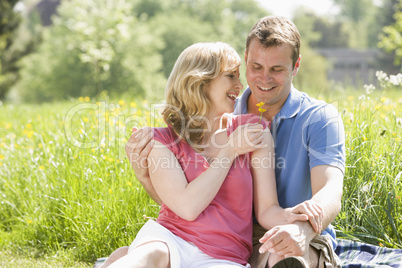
[[269, 73]]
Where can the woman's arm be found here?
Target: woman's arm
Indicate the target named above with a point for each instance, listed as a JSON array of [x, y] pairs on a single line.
[[267, 210], [186, 199]]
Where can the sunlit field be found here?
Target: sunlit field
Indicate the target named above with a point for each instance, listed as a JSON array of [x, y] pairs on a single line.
[[68, 192]]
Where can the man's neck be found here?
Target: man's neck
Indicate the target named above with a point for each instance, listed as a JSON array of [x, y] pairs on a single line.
[[269, 114]]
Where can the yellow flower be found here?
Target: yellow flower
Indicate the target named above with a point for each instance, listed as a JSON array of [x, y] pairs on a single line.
[[29, 126], [121, 102], [81, 99], [383, 99], [110, 190], [377, 107], [1, 157], [41, 167], [1, 164], [260, 109], [29, 221], [129, 183], [133, 104], [85, 119], [260, 104], [87, 99], [382, 116], [364, 138]]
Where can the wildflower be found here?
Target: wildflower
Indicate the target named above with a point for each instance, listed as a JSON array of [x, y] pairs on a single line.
[[1, 164], [41, 167], [369, 89], [29, 126], [81, 99], [87, 99], [382, 116], [110, 191], [29, 221], [129, 183], [1, 157], [260, 109], [364, 138], [133, 104], [377, 107], [260, 104], [85, 119], [383, 99]]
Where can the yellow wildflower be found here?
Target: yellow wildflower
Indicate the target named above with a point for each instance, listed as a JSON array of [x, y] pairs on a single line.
[[260, 104], [260, 109], [41, 167], [1, 157], [87, 99], [122, 102], [383, 99], [81, 99], [110, 191], [133, 104]]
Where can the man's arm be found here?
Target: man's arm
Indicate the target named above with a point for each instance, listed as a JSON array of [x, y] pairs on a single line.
[[293, 239], [138, 148]]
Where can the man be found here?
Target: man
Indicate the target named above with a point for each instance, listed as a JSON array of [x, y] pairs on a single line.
[[309, 148]]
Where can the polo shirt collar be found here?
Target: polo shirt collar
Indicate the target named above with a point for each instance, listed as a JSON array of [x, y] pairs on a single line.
[[290, 108]]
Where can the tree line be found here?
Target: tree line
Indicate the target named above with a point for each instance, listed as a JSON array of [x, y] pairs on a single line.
[[97, 47]]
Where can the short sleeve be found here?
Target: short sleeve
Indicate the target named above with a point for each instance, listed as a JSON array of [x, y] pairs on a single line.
[[326, 138], [233, 121], [167, 137]]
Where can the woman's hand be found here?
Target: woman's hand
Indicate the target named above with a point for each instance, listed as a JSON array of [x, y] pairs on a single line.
[[246, 138], [307, 211]]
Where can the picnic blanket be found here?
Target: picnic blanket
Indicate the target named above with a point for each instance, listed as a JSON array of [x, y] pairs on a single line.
[[355, 254]]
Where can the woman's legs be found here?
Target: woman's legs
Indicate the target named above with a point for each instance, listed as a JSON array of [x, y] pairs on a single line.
[[117, 254], [151, 254]]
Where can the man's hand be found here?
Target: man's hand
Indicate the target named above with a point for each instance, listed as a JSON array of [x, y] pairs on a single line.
[[287, 240], [313, 212], [138, 148]]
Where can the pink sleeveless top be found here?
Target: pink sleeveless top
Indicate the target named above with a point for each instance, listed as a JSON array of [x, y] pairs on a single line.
[[224, 229]]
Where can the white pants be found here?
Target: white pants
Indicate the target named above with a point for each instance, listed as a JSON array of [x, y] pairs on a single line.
[[182, 253]]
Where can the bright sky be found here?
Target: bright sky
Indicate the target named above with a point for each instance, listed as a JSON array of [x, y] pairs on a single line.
[[288, 7]]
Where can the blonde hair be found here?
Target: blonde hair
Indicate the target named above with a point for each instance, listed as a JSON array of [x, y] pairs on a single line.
[[187, 100]]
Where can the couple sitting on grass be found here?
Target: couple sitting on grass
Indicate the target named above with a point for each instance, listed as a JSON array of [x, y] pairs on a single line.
[[229, 197]]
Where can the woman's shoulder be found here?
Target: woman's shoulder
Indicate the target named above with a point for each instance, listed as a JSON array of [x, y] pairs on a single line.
[[165, 135], [234, 121]]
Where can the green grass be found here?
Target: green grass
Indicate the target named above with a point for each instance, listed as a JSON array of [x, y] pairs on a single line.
[[67, 192]]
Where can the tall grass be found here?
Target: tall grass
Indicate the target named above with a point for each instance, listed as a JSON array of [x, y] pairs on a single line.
[[67, 190]]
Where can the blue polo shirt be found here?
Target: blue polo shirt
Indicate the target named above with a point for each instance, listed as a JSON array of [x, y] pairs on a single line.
[[307, 133]]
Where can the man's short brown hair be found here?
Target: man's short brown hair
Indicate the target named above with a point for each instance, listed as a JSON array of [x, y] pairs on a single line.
[[276, 31]]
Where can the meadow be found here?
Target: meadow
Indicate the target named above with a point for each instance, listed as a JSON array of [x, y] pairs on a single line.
[[68, 193]]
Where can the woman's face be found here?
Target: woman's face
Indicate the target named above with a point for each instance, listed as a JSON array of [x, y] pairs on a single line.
[[223, 91]]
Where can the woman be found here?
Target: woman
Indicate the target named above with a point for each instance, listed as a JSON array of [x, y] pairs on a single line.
[[203, 173]]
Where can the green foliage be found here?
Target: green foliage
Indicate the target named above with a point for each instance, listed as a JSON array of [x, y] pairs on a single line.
[[9, 21], [93, 46], [312, 75], [391, 39]]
